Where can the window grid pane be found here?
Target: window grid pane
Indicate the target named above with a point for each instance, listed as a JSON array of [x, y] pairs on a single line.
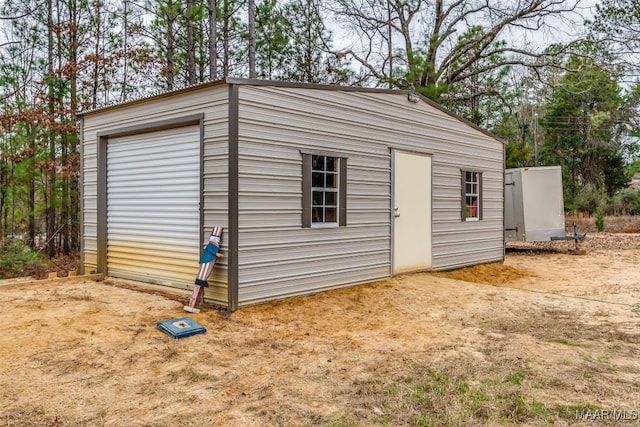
[[317, 179], [331, 180]]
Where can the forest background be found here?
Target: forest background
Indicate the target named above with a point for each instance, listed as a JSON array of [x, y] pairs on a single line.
[[556, 79]]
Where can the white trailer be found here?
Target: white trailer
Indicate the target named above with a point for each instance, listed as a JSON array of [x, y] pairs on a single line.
[[534, 204]]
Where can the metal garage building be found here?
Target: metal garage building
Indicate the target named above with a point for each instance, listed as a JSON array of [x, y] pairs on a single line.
[[317, 187]]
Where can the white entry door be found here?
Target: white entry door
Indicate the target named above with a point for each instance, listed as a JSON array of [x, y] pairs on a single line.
[[411, 212]]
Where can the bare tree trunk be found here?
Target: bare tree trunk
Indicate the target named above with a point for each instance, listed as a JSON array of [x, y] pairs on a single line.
[[213, 43], [390, 44], [68, 207], [96, 73], [51, 175], [252, 39], [191, 48], [31, 193], [170, 45], [65, 205], [308, 66], [225, 37], [125, 52], [3, 189], [74, 243]]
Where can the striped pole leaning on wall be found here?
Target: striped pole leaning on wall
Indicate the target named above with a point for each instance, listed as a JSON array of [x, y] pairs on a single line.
[[207, 262]]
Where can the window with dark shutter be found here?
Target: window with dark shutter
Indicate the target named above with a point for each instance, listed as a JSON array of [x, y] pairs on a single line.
[[324, 182]]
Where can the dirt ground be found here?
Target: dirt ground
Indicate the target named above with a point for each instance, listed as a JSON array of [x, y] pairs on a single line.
[[546, 337]]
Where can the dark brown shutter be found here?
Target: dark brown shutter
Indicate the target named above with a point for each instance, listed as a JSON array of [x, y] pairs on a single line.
[[306, 190], [480, 198], [342, 192], [463, 207]]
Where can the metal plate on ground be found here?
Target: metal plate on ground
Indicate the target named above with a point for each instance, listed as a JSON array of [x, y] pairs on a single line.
[[181, 327]]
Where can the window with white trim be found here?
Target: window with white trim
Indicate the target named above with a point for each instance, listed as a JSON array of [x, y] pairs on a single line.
[[471, 195], [324, 190], [324, 187]]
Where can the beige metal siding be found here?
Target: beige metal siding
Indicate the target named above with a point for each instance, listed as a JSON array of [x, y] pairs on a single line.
[[277, 122], [277, 257], [212, 101], [89, 195]]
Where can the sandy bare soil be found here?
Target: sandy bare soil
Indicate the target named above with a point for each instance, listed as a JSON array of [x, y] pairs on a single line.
[[543, 338]]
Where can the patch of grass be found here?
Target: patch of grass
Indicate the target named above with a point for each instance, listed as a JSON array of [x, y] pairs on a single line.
[[440, 383], [391, 390], [191, 375], [386, 419], [564, 342], [514, 406], [102, 414], [428, 399], [561, 327], [516, 378], [457, 395], [340, 423], [425, 422]]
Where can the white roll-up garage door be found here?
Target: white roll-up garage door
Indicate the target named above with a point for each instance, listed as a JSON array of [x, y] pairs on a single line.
[[153, 206]]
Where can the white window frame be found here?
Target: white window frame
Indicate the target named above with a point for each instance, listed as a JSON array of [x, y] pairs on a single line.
[[324, 190], [472, 181], [340, 190]]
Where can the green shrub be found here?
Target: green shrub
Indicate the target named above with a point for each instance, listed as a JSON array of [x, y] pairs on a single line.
[[588, 199], [15, 255], [599, 219], [625, 202]]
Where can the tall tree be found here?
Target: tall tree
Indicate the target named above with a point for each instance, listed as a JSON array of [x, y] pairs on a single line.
[[165, 32], [580, 123], [51, 110], [234, 39], [616, 24], [251, 6], [431, 57], [213, 40], [191, 44], [484, 94], [21, 73], [122, 56], [43, 135], [273, 44], [311, 59], [227, 15]]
